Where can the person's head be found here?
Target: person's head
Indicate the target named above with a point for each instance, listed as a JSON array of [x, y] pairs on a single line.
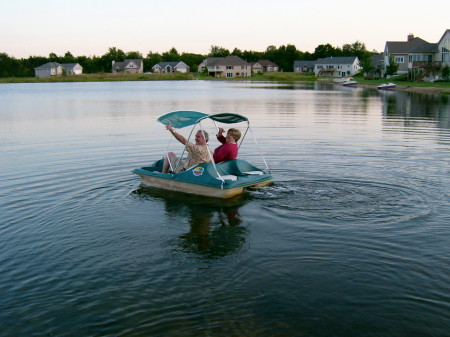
[[233, 135], [201, 137]]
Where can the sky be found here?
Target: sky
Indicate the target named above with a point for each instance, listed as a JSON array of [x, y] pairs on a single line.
[[91, 27]]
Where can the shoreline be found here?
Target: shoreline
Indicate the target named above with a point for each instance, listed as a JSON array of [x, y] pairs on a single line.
[[419, 87]]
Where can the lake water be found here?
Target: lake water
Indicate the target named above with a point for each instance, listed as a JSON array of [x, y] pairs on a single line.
[[351, 239]]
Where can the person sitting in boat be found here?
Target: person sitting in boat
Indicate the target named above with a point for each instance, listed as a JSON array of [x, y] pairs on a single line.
[[229, 148], [197, 153]]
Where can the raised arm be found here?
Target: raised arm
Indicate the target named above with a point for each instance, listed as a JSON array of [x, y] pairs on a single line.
[[177, 136]]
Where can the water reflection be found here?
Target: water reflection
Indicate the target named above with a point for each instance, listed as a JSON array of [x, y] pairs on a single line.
[[416, 106], [216, 228]]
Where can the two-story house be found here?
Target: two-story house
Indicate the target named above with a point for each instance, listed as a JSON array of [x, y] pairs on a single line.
[[420, 59], [171, 67], [337, 66], [130, 66], [230, 66]]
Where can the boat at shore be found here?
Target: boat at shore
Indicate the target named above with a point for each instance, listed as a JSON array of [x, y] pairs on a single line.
[[350, 83], [219, 180], [386, 86]]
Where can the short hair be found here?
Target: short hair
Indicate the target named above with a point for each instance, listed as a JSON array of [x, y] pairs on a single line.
[[235, 133], [205, 134]]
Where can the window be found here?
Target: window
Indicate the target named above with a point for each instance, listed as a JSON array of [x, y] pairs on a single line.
[[230, 67], [229, 74], [399, 59]]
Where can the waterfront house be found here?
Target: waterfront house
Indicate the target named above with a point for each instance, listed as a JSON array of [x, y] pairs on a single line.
[[48, 69], [339, 66], [72, 68], [230, 66], [420, 59], [304, 66], [171, 67], [264, 66], [129, 66]]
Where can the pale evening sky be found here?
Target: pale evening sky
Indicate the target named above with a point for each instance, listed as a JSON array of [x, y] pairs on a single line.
[[91, 27]]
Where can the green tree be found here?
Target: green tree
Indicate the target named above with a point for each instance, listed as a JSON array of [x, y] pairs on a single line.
[[366, 63], [446, 73], [392, 67], [133, 55], [326, 50], [171, 55], [192, 60], [151, 59], [217, 51]]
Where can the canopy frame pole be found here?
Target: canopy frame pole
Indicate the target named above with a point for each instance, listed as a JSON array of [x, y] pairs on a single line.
[[260, 152]]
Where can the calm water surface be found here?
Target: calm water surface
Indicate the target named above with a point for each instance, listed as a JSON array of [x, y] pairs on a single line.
[[352, 239]]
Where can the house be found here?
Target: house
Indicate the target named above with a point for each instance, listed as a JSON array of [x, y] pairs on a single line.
[[171, 67], [48, 69], [400, 51], [337, 66], [72, 68], [230, 66], [444, 49], [304, 66], [264, 66], [129, 66], [420, 59], [377, 61]]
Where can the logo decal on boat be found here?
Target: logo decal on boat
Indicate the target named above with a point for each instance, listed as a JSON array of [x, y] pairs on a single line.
[[198, 171]]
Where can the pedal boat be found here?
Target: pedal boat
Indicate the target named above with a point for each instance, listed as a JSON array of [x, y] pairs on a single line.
[[219, 180]]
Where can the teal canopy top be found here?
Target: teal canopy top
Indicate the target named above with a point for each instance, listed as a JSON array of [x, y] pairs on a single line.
[[181, 119]]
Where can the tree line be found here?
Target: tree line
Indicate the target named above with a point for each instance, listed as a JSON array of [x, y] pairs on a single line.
[[284, 56]]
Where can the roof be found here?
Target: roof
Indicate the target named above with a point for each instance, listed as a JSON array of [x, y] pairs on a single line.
[[337, 60], [171, 64], [69, 65], [425, 48], [231, 60], [48, 65], [124, 64], [302, 63], [266, 63], [443, 35], [404, 47]]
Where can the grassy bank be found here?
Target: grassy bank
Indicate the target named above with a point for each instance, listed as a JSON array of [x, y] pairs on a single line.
[[441, 87], [100, 77]]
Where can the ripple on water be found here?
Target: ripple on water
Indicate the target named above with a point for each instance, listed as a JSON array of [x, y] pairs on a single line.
[[366, 202]]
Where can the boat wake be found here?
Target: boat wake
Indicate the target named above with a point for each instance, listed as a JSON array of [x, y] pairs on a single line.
[[365, 202]]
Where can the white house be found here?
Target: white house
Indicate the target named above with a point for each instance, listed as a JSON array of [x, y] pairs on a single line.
[[48, 69], [72, 68], [337, 66], [171, 67], [230, 66], [130, 66]]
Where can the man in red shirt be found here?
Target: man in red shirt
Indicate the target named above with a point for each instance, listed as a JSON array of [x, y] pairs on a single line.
[[229, 149]]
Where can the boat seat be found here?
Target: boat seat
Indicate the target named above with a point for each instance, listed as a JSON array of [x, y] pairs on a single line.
[[228, 177], [260, 173]]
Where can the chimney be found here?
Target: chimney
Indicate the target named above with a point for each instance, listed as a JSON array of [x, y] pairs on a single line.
[[410, 36]]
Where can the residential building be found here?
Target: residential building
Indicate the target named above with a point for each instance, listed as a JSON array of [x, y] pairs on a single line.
[[304, 66], [339, 66], [264, 66], [130, 66], [420, 59], [171, 67], [55, 69], [72, 68], [230, 66], [48, 69]]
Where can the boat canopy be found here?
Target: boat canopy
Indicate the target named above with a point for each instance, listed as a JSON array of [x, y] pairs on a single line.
[[181, 119]]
